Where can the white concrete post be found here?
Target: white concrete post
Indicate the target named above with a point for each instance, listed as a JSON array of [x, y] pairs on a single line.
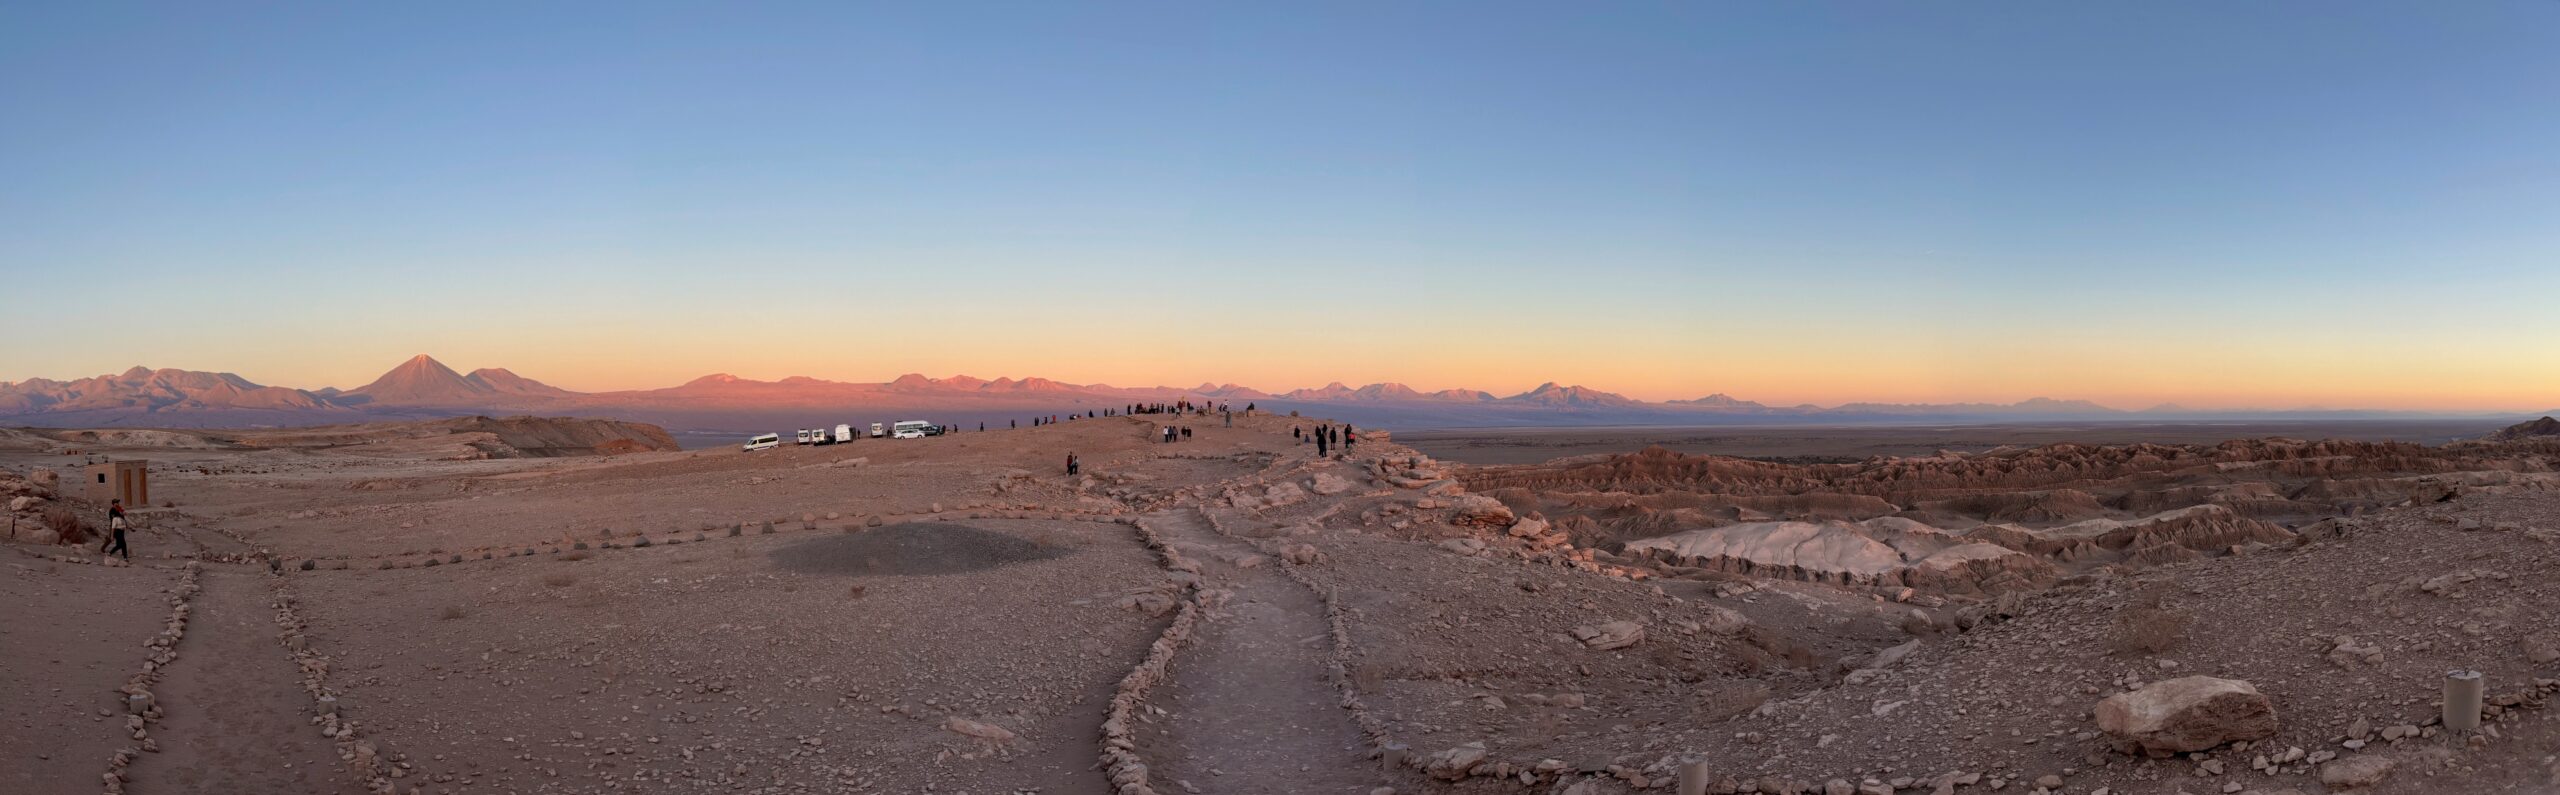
[[1693, 776], [2462, 691]]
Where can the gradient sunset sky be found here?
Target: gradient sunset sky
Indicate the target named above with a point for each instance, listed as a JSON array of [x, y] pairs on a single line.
[[2264, 204]]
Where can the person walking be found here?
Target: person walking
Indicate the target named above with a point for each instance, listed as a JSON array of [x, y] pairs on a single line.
[[1071, 464], [115, 528]]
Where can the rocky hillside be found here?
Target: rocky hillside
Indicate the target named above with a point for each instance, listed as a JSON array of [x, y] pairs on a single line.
[[2544, 428], [2015, 518]]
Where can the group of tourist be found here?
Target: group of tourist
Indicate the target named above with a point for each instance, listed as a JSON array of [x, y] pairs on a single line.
[[1184, 407], [1330, 441]]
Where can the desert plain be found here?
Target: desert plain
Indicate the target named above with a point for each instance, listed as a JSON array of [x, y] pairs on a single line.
[[562, 606]]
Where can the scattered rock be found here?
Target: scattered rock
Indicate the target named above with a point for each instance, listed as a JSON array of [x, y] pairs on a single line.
[[1328, 484], [2355, 773], [1612, 635], [2541, 648], [1477, 509], [984, 731], [2186, 714]]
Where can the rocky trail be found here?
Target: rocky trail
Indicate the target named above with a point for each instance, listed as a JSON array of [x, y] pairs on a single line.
[[235, 718], [1251, 709]]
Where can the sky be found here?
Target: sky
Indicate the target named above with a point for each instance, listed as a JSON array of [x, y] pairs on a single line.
[[2250, 205]]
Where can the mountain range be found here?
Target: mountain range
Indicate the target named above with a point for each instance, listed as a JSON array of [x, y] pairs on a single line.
[[423, 387]]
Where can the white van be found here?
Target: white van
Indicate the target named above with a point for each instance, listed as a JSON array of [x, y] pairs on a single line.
[[912, 429], [765, 441], [844, 433], [876, 432], [802, 437]]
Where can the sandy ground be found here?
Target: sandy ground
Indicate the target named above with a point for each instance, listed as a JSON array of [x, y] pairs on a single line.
[[959, 615], [70, 635]]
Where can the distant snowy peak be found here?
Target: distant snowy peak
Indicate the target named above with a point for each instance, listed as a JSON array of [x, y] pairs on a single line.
[[1577, 396], [1719, 401]]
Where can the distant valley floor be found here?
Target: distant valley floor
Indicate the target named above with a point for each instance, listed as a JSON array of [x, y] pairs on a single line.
[[1834, 443]]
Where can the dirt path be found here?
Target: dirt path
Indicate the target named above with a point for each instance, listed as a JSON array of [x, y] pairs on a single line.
[[235, 718], [1252, 708]]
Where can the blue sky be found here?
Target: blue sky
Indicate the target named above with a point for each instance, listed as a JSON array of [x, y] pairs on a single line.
[[2217, 204]]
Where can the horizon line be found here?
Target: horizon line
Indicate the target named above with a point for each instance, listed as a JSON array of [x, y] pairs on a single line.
[[2165, 407]]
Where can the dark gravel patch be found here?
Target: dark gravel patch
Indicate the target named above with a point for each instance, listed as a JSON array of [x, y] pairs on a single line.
[[911, 549]]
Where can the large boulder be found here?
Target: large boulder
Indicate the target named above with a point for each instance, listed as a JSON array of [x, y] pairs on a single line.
[[1612, 635], [2355, 773], [1454, 764], [1477, 509], [1328, 484], [1530, 527], [1283, 493], [46, 479], [2186, 714]]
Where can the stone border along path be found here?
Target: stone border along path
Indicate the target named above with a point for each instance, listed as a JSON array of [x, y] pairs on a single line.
[[1395, 756], [361, 758], [1254, 714], [1373, 730], [235, 726], [1120, 761], [140, 703]]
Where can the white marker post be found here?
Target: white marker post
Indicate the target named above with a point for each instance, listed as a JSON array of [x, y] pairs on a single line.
[[1693, 776], [2462, 691]]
